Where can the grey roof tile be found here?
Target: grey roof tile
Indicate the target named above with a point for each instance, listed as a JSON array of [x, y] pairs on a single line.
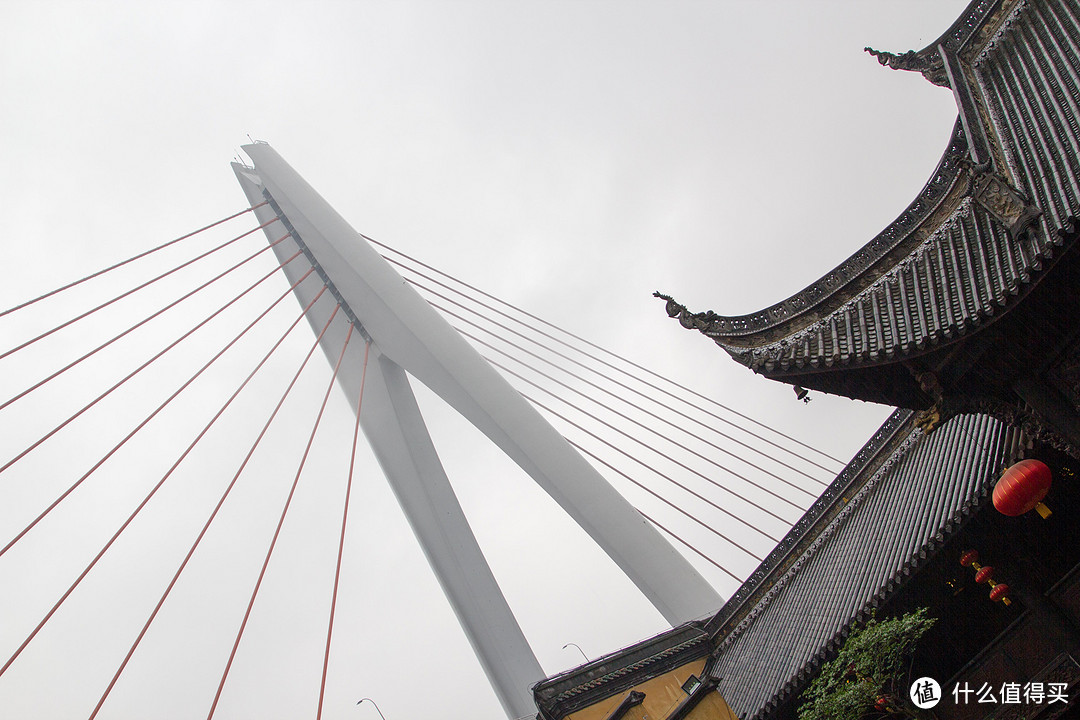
[[891, 520]]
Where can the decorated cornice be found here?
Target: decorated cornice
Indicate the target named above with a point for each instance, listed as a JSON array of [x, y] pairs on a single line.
[[619, 671]]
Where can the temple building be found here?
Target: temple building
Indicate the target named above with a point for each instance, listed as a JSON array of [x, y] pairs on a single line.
[[964, 313], [668, 676]]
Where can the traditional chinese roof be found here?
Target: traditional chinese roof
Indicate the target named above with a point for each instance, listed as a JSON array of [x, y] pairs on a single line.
[[902, 497], [995, 216]]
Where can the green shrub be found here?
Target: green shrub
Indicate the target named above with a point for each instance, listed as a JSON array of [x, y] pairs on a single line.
[[870, 665]]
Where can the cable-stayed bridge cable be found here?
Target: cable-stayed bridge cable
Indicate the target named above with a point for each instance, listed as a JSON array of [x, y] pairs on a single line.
[[667, 502], [148, 497], [688, 544], [626, 387], [133, 290], [609, 353], [638, 423], [127, 377], [341, 539], [667, 457], [137, 325], [157, 410], [645, 465], [225, 494], [285, 509], [129, 260]]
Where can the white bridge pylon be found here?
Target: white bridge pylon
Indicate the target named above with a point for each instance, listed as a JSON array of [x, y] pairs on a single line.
[[407, 334]]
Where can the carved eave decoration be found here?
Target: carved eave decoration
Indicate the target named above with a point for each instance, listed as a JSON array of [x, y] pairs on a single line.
[[971, 30]]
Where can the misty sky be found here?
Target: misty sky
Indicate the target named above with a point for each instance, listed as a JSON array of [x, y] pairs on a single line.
[[569, 157]]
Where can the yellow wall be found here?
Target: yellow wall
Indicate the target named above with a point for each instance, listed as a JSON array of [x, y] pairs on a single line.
[[662, 694]]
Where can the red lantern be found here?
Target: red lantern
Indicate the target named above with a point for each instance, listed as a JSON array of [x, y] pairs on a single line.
[[999, 592], [984, 574], [1022, 487], [970, 556]]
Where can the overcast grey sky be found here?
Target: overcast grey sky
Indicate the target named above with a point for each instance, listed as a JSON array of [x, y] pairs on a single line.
[[569, 157]]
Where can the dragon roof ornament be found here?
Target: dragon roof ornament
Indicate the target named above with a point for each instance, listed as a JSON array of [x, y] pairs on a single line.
[[968, 31]]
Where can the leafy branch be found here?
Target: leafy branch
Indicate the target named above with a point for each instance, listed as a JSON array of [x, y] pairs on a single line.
[[867, 674]]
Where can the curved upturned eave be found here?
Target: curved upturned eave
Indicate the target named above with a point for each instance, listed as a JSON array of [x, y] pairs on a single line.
[[939, 197], [968, 273]]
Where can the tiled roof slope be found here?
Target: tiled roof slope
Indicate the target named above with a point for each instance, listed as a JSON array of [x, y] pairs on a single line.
[[964, 274], [891, 517], [1029, 75], [948, 265]]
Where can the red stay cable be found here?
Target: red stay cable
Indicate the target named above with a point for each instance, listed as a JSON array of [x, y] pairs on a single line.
[[137, 370], [606, 352], [635, 406], [281, 520], [221, 500], [683, 465], [139, 324], [341, 541], [609, 378], [667, 502], [157, 487], [157, 410], [130, 259], [135, 289], [687, 544], [645, 427]]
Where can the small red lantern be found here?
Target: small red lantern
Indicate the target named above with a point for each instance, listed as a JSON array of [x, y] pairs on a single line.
[[1022, 487], [984, 574]]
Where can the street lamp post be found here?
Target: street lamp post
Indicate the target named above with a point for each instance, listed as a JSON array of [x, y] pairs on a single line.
[[376, 707], [578, 649]]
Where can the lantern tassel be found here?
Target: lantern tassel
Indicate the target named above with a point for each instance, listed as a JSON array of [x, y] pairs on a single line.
[[1042, 510]]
